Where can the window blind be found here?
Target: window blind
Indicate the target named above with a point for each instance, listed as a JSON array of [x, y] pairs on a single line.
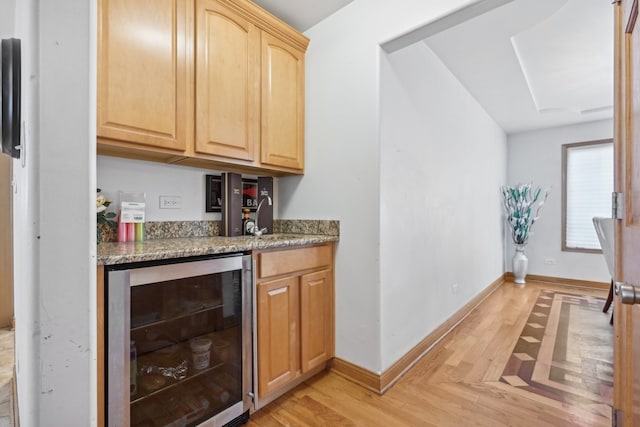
[[589, 183]]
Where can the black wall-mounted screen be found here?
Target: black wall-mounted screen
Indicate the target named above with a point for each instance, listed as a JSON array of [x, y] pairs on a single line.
[[10, 49]]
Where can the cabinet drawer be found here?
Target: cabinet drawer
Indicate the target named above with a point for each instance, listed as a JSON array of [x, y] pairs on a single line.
[[291, 260]]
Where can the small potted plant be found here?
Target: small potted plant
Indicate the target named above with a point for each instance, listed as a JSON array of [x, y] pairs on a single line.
[[104, 218], [522, 206]]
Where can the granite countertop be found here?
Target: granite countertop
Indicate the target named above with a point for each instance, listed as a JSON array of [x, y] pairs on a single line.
[[160, 249]]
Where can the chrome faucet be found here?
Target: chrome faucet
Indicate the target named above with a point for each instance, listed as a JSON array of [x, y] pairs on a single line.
[[256, 231]]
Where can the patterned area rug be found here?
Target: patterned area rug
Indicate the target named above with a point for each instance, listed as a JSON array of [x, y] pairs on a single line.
[[565, 352]]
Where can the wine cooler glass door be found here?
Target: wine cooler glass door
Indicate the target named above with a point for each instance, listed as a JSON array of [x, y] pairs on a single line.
[[177, 343]]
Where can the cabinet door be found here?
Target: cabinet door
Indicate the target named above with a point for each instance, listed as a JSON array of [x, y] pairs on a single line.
[[227, 82], [278, 332], [282, 142], [143, 72], [315, 321]]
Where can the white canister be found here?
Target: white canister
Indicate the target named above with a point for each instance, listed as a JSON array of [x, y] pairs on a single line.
[[201, 351]]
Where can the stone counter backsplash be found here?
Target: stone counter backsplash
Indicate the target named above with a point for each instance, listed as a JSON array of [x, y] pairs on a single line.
[[186, 229], [306, 226]]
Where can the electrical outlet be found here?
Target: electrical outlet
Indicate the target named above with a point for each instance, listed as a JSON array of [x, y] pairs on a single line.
[[550, 261], [170, 202], [454, 288]]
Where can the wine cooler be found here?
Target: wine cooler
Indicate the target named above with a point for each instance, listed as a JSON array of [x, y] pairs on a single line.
[[178, 343]]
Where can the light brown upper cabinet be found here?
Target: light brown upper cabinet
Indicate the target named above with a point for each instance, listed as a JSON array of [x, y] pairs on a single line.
[[206, 83], [282, 104], [143, 74], [228, 82]]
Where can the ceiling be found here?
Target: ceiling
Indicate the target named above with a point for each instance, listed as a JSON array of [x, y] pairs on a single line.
[[535, 64], [530, 63], [302, 14]]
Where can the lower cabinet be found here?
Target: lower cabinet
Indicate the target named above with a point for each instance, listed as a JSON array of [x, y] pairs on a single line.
[[294, 294], [278, 334], [315, 336]]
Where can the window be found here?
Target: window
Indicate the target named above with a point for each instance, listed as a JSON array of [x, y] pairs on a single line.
[[587, 181]]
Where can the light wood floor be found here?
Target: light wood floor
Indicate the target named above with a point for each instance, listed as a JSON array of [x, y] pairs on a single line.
[[456, 384]]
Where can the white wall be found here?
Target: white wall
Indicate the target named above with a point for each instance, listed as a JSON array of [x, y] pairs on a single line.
[[443, 160], [66, 270], [537, 156], [342, 155], [25, 217], [157, 179], [7, 18], [54, 229]]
